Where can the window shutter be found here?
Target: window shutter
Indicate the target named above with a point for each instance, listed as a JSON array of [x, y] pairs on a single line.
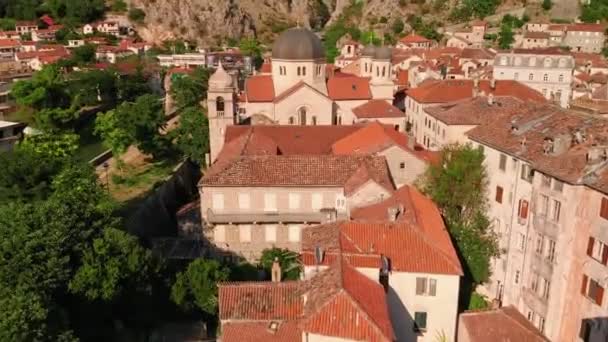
[[590, 246], [420, 286], [432, 287], [524, 209], [584, 286], [599, 295], [604, 208], [605, 255], [499, 194]]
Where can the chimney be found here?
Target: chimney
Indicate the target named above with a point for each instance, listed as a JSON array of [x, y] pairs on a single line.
[[492, 83], [393, 213], [275, 272], [475, 87], [490, 100]]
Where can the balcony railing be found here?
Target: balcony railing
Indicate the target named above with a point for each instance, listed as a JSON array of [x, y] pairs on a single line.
[[324, 215]]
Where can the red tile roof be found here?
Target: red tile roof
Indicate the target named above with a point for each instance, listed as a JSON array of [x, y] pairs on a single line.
[[290, 140], [474, 111], [288, 331], [504, 324], [260, 301], [311, 170], [403, 78], [259, 88], [375, 109], [413, 38], [454, 90], [536, 35], [291, 90], [47, 20], [8, 43], [375, 138], [473, 53], [408, 248], [349, 88], [587, 27], [266, 68]]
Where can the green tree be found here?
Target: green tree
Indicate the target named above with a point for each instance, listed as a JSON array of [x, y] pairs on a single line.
[[83, 54], [130, 87], [288, 260], [52, 145], [594, 10], [196, 287], [505, 36], [114, 265], [134, 123], [547, 4], [251, 47], [137, 15], [192, 135], [7, 24], [119, 6], [458, 186], [76, 11], [189, 90], [46, 89], [478, 302], [398, 26]]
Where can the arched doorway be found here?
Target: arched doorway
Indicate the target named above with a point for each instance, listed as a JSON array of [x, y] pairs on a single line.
[[302, 116], [219, 106]]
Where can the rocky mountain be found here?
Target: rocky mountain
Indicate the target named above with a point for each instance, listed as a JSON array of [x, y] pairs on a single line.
[[208, 21]]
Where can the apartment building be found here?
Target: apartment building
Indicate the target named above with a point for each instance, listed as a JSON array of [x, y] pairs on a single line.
[[548, 71], [469, 37], [251, 203], [585, 37], [10, 133], [390, 242], [547, 201], [502, 324], [426, 130]]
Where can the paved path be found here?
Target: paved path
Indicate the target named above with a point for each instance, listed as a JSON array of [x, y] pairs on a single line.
[[565, 9]]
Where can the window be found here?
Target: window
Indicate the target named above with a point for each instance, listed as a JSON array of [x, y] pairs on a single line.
[[516, 279], [604, 208], [420, 321], [527, 173], [244, 201], [217, 201], [291, 121], [314, 120], [541, 323], [557, 205], [299, 71], [597, 250], [592, 290], [558, 185], [516, 76], [551, 251], [245, 233], [402, 165], [294, 201], [271, 233], [546, 181], [270, 202], [317, 201], [545, 77], [303, 71], [523, 209], [499, 192], [539, 244], [545, 287], [426, 286], [502, 164], [219, 233], [531, 77], [561, 78], [534, 282], [302, 116], [293, 233], [543, 205], [522, 241], [219, 106]]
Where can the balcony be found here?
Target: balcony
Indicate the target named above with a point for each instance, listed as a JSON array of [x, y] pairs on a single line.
[[236, 217], [534, 301], [545, 226]]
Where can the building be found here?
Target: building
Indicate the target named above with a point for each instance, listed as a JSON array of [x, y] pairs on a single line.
[[548, 71], [503, 324], [187, 60], [403, 244], [10, 133], [318, 309], [414, 41], [297, 90], [23, 27], [8, 48], [585, 37], [547, 195], [47, 34], [534, 40], [469, 37], [426, 130], [111, 53], [254, 202]]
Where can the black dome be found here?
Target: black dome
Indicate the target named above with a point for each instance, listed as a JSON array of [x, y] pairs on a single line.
[[383, 52], [298, 44]]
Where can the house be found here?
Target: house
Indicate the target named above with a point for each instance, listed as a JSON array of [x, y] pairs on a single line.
[[74, 43], [321, 308], [47, 34], [8, 48], [533, 40], [585, 37], [10, 133], [187, 60], [47, 20], [35, 60], [473, 36], [88, 29], [548, 71], [503, 324], [414, 41], [23, 27], [258, 201], [403, 244], [10, 35], [548, 203], [426, 131], [111, 53], [108, 27]]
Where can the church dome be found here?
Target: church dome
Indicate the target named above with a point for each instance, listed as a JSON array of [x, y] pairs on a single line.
[[369, 51], [220, 78], [298, 44], [383, 52]]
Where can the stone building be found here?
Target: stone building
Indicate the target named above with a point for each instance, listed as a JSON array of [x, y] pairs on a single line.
[[547, 196], [548, 71]]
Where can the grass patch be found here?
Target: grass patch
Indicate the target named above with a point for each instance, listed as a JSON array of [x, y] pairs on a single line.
[[133, 181]]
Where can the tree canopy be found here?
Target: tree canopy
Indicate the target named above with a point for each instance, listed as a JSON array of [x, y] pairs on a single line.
[[594, 10], [288, 260], [188, 90], [196, 287], [191, 137]]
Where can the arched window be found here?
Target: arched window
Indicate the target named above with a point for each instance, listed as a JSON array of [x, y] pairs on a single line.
[[291, 120], [348, 49], [545, 77], [219, 106], [302, 116], [561, 78], [303, 71], [365, 67], [298, 71], [383, 71], [314, 120], [377, 71], [531, 77]]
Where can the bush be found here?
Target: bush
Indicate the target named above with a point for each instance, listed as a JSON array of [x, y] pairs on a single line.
[[547, 4], [398, 26], [137, 15], [478, 302]]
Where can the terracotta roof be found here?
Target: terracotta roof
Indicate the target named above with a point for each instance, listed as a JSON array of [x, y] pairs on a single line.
[[6, 43], [536, 35], [556, 27], [473, 53], [553, 50], [600, 93], [352, 69], [403, 78], [349, 172], [374, 109], [408, 247], [474, 111], [504, 324], [259, 88], [288, 331], [375, 138], [454, 90], [266, 67], [414, 38], [349, 88], [59, 52], [479, 23], [596, 60], [26, 23], [47, 19], [586, 27], [290, 140], [324, 304], [291, 90]]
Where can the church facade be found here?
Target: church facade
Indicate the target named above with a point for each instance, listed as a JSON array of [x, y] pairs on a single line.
[[294, 89]]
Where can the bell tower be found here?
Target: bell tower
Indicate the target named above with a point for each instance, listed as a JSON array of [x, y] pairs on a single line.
[[220, 109]]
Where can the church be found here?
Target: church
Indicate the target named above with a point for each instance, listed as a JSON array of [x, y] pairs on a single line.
[[295, 88]]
